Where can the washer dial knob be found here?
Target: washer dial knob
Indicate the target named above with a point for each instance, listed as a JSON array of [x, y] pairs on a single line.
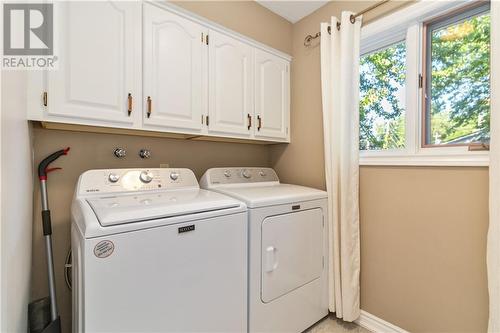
[[146, 177], [174, 175], [113, 177], [246, 174], [262, 173], [227, 173]]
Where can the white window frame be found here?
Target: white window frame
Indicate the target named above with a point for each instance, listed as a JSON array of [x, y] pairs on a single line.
[[407, 24]]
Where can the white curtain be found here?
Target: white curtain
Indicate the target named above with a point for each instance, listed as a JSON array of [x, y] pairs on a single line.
[[493, 251], [340, 91]]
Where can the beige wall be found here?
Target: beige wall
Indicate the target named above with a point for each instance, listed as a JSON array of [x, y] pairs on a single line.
[[248, 18], [423, 245], [423, 230], [91, 151]]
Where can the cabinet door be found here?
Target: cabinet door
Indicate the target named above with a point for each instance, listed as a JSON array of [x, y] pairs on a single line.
[[272, 105], [230, 85], [175, 56], [99, 63]]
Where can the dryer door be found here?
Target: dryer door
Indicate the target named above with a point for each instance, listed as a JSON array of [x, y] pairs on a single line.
[[291, 252]]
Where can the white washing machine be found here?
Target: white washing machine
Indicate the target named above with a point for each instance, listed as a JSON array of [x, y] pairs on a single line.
[[152, 252], [287, 247]]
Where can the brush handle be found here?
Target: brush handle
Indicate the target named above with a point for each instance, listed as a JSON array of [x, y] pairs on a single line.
[[43, 167]]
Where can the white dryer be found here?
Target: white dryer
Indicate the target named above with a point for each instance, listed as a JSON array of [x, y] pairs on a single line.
[[287, 247], [152, 252]]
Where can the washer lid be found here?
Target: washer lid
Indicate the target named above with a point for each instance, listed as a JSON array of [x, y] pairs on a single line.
[[272, 194], [120, 209]]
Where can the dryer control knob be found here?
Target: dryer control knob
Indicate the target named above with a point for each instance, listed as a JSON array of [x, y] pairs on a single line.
[[146, 177], [174, 176], [227, 173], [113, 177], [246, 174]]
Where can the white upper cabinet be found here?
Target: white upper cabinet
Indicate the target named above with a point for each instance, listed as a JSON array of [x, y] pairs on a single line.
[[231, 98], [175, 67], [272, 100], [153, 66], [99, 63]]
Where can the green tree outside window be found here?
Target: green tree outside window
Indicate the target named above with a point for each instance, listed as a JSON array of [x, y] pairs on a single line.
[[459, 88]]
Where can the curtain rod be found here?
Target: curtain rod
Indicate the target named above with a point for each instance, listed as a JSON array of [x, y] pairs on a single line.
[[309, 38]]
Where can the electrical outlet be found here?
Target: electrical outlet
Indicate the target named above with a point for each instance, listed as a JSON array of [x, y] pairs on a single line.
[[164, 165]]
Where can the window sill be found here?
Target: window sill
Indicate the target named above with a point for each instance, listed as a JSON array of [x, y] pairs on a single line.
[[478, 159]]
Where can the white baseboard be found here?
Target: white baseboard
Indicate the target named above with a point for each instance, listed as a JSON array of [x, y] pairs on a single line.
[[377, 325]]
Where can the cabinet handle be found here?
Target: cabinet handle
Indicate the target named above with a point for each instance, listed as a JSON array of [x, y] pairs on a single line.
[[259, 126], [206, 119], [129, 108], [149, 107], [249, 121], [45, 98]]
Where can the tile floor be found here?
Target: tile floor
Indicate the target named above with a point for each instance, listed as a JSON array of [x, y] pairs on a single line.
[[332, 324]]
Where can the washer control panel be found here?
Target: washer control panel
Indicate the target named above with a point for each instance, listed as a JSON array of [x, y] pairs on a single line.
[[221, 176], [124, 180]]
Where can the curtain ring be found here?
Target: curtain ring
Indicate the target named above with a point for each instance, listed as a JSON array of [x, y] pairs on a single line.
[[353, 19], [338, 25]]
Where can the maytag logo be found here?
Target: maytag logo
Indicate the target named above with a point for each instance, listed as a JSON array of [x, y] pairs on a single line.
[[28, 36], [186, 228]]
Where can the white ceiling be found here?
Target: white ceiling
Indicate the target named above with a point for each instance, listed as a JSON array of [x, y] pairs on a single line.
[[293, 11]]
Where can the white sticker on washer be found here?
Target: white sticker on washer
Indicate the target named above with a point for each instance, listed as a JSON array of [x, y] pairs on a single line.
[[104, 249]]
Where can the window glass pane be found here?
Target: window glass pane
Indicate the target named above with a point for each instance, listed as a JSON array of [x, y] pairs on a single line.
[[382, 98], [458, 110]]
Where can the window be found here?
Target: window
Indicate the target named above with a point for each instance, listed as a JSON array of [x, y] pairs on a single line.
[[382, 102], [457, 70], [425, 85]]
